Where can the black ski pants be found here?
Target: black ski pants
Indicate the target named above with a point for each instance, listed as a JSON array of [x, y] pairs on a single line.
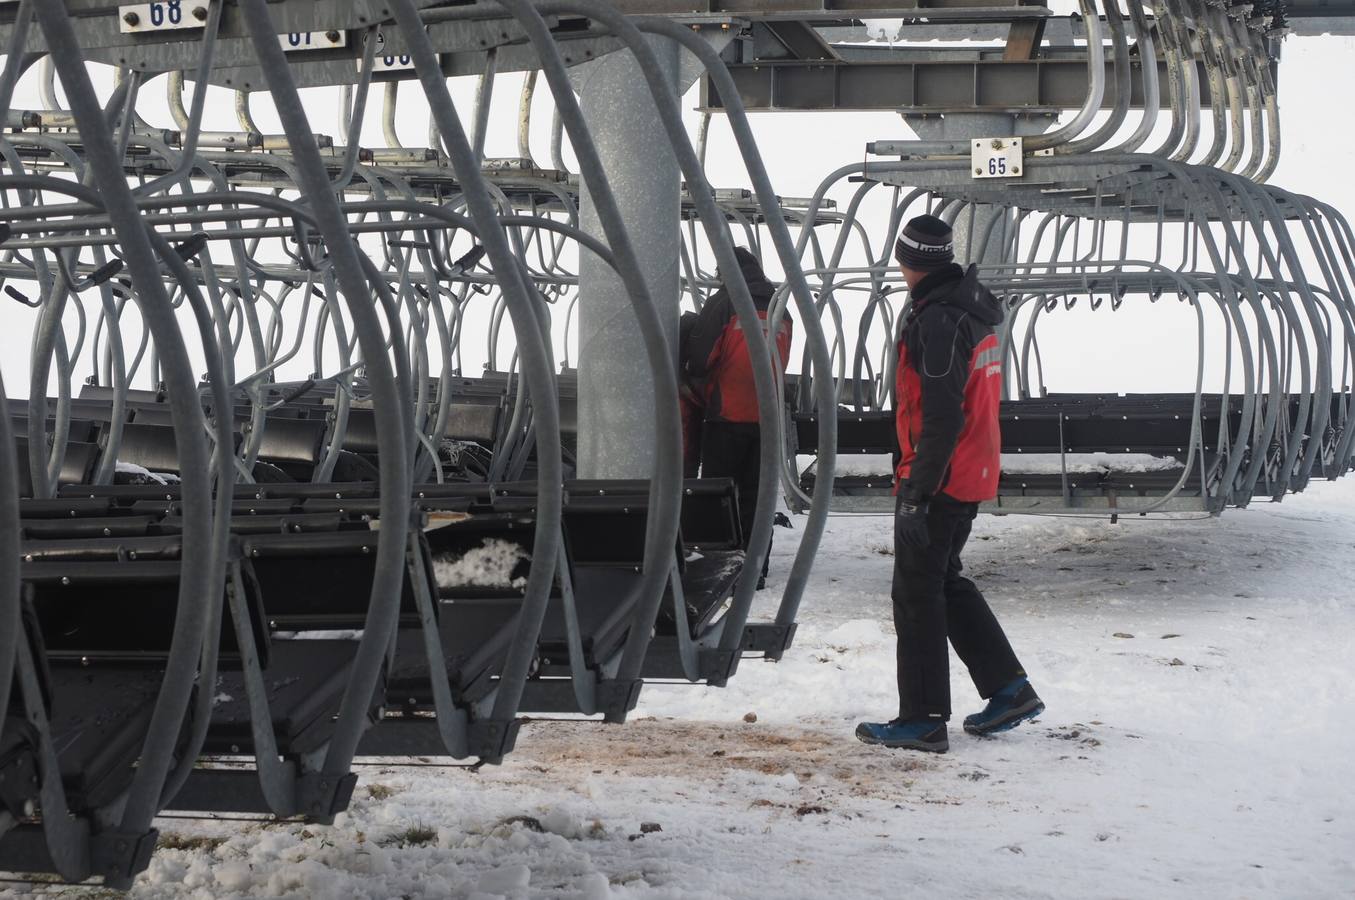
[[733, 450], [933, 602]]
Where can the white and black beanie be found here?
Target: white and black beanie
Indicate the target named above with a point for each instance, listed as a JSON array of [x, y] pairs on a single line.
[[925, 244]]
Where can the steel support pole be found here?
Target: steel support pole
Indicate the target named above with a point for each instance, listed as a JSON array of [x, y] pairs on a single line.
[[616, 387]]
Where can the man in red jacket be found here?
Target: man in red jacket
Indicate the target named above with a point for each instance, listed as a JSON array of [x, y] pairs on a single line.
[[947, 388], [715, 353]]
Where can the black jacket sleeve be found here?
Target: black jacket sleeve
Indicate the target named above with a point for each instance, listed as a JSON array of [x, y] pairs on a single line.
[[939, 352], [705, 334], [686, 322]]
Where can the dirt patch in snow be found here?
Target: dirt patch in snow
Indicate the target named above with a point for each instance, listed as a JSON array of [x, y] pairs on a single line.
[[648, 747]]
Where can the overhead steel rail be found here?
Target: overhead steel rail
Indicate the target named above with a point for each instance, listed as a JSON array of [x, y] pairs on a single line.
[[1265, 273]]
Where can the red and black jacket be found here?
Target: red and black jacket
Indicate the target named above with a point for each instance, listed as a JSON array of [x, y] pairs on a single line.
[[948, 385], [716, 350]]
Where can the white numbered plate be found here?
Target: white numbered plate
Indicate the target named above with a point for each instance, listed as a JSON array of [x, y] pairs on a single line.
[[164, 15], [388, 63], [996, 157], [301, 41]]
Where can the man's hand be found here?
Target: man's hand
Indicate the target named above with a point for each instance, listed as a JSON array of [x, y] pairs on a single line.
[[910, 522]]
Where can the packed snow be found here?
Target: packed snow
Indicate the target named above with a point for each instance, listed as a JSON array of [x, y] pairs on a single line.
[[135, 474], [490, 564], [1197, 743], [1085, 463], [882, 465]]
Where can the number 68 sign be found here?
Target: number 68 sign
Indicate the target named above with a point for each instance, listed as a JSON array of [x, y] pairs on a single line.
[[162, 16], [996, 157]]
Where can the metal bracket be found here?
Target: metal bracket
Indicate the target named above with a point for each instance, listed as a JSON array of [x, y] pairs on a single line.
[[718, 666], [768, 638], [119, 856], [491, 739], [321, 797], [616, 698]]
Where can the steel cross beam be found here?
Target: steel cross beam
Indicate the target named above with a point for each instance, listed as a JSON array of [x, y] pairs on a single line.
[[937, 85]]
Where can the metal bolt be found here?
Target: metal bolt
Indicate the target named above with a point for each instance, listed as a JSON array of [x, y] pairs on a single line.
[[132, 19], [332, 37], [978, 171], [200, 13]]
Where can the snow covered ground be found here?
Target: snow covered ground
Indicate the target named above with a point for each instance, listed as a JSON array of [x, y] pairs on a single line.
[[1198, 743]]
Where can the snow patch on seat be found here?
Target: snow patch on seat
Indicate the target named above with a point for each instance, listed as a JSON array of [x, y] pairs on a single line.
[[489, 565]]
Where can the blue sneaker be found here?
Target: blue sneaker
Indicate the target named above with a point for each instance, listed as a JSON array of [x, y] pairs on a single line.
[[910, 734], [1013, 704]]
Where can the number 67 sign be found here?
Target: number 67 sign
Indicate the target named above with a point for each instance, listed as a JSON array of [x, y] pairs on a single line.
[[996, 157]]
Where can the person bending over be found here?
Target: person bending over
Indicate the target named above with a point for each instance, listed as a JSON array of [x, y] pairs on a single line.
[[716, 353]]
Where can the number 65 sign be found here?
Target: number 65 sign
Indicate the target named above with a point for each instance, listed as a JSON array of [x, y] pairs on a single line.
[[996, 157]]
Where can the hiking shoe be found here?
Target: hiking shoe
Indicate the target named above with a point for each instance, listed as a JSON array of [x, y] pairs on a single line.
[[906, 734], [1009, 707]]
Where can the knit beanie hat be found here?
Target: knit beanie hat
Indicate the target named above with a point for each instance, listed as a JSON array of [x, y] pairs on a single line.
[[925, 244], [748, 263]]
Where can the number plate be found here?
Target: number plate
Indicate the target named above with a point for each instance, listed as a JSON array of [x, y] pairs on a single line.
[[388, 63], [996, 157], [300, 41], [165, 15]]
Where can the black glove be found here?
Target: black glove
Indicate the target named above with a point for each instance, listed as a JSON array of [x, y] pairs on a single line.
[[910, 521]]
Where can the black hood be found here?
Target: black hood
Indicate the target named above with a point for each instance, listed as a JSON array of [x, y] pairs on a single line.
[[758, 286], [959, 288]]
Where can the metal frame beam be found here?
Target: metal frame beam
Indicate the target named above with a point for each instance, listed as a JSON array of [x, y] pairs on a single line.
[[919, 85]]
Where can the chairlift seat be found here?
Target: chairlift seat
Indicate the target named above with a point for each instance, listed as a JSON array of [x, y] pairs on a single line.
[[306, 680], [77, 465], [319, 580], [101, 712], [708, 580], [104, 549], [123, 611], [87, 526]]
